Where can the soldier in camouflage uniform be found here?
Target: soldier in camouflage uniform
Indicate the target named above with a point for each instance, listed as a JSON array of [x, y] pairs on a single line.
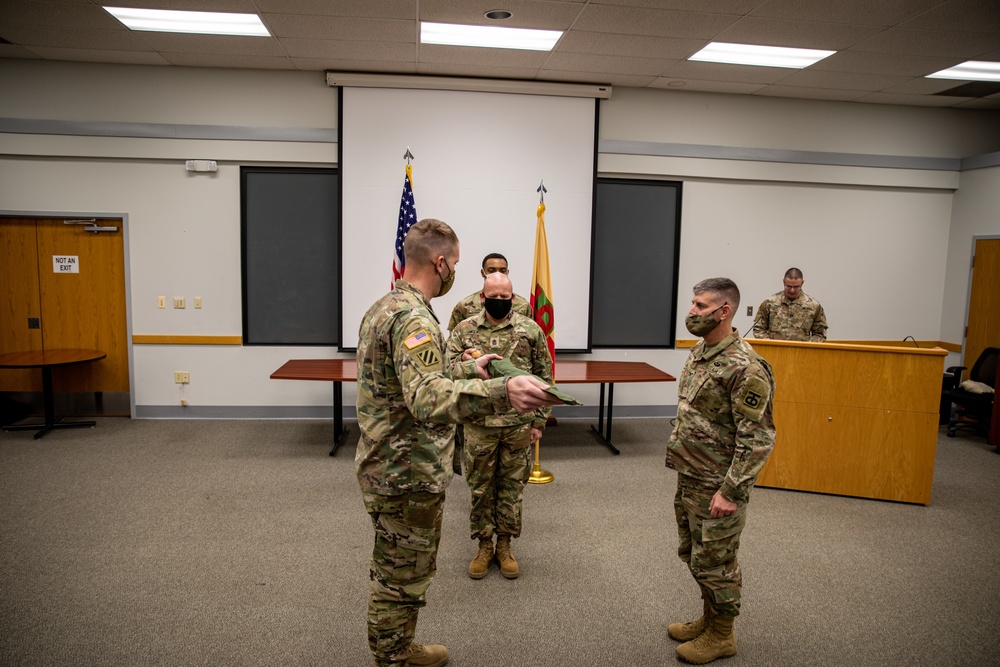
[[791, 314], [497, 447], [407, 405], [473, 305], [723, 435]]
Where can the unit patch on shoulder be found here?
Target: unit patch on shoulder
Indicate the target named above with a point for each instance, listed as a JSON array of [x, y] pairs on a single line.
[[754, 399], [428, 357], [417, 339]]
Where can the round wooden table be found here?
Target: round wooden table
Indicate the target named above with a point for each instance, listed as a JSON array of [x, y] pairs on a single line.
[[47, 360]]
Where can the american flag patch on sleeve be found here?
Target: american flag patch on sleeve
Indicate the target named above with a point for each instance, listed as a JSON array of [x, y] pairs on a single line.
[[417, 340]]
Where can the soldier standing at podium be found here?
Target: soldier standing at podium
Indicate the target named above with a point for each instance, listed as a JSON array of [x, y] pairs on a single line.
[[791, 314], [723, 435]]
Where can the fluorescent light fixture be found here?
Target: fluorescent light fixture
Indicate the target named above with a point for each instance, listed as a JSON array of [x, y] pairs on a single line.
[[205, 23], [453, 34], [971, 70], [761, 56]]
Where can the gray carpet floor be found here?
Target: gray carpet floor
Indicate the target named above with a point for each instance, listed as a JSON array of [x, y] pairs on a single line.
[[171, 543]]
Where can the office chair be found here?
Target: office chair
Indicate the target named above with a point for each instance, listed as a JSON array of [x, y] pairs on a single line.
[[970, 408]]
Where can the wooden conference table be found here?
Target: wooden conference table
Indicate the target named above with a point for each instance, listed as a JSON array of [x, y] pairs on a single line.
[[567, 372], [47, 360]]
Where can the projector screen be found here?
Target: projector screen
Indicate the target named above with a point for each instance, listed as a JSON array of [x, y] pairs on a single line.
[[478, 160]]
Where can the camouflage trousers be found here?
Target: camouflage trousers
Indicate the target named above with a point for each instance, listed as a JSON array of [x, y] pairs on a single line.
[[496, 468], [404, 560], [709, 546]]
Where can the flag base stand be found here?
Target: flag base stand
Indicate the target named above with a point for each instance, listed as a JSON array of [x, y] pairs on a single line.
[[539, 476]]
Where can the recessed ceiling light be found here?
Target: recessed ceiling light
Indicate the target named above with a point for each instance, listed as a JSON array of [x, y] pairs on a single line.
[[453, 34], [205, 23], [761, 56], [971, 70], [498, 14]]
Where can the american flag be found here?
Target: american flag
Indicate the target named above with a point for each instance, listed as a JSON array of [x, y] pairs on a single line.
[[407, 218]]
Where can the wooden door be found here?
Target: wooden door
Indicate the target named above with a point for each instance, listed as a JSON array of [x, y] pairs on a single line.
[[20, 305], [80, 308], [983, 320]]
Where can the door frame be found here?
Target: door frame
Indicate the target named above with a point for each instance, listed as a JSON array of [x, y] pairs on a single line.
[[71, 215], [968, 287]]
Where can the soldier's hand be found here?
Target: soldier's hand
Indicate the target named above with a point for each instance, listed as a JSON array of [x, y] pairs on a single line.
[[527, 393], [536, 434], [482, 362], [720, 506], [471, 353]]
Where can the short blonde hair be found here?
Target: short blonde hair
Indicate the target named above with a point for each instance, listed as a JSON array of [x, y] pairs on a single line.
[[429, 239]]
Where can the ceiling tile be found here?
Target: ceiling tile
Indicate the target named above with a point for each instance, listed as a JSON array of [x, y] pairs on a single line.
[[74, 15], [381, 66], [581, 62], [221, 60], [707, 86], [381, 9], [738, 7], [610, 78], [883, 63], [641, 21], [691, 71], [959, 15], [922, 86], [981, 103], [859, 12], [805, 93], [930, 43], [911, 100], [175, 43], [100, 56], [321, 48], [73, 38], [341, 28], [238, 6], [809, 78], [795, 34], [524, 13], [470, 55], [639, 46]]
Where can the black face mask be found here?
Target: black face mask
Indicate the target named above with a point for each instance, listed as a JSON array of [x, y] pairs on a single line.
[[498, 308]]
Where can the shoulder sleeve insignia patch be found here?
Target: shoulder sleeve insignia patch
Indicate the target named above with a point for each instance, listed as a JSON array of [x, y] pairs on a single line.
[[428, 357], [416, 340], [753, 399]]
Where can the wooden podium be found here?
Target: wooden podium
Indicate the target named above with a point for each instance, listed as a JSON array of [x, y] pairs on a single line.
[[854, 420]]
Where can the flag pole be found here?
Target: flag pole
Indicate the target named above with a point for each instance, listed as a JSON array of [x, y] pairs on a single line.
[[538, 475]]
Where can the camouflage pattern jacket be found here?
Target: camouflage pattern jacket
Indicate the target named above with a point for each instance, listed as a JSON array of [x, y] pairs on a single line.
[[408, 402], [517, 339], [724, 430], [779, 318], [471, 305]]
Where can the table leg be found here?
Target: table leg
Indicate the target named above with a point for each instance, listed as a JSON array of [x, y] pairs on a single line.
[[602, 435], [339, 430], [51, 420]]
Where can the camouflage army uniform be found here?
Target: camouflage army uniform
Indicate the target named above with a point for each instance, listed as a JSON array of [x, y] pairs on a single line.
[[407, 405], [471, 305], [497, 447], [780, 318], [722, 438]]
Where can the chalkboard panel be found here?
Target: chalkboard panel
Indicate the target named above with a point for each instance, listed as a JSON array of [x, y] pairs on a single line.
[[291, 251], [636, 244]]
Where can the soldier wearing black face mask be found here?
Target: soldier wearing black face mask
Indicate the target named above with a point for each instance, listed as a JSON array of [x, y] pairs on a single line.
[[473, 304], [498, 447]]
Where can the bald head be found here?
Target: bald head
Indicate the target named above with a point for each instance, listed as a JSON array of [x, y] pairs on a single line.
[[497, 286]]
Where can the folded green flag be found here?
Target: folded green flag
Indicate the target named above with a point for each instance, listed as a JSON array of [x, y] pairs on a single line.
[[504, 368]]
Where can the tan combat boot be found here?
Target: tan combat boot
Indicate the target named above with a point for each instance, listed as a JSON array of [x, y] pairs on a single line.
[[717, 641], [430, 655], [480, 565], [685, 632], [508, 564]]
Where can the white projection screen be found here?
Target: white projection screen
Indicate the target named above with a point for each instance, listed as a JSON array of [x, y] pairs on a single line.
[[478, 160]]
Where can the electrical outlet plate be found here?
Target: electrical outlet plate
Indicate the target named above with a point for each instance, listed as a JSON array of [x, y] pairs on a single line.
[[182, 377], [178, 302], [161, 302], [749, 310], [197, 302]]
